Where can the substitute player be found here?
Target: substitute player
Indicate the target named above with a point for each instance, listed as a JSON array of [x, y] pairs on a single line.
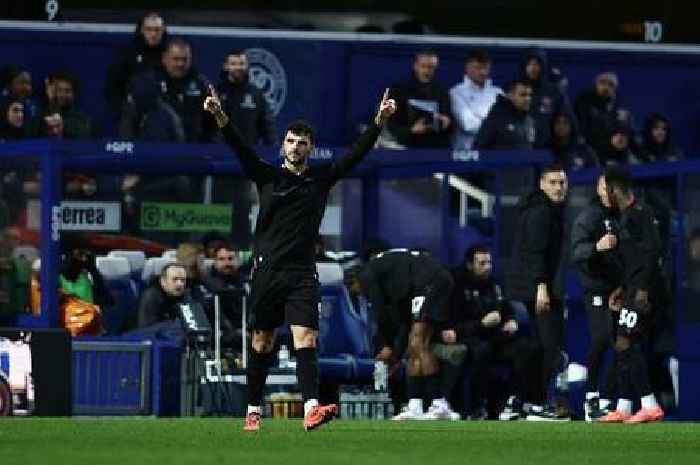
[[634, 302], [284, 284], [409, 291]]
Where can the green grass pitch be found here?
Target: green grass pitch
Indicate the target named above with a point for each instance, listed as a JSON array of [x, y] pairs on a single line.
[[136, 441]]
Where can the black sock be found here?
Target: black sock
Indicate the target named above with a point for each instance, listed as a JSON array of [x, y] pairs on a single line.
[[415, 387], [431, 387], [625, 390], [258, 366], [639, 372], [307, 372]]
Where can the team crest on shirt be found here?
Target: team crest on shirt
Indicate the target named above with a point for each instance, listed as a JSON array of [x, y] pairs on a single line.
[[267, 74]]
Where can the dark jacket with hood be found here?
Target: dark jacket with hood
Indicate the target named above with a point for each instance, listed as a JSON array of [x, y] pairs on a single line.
[[547, 97], [129, 61], [611, 155], [247, 106], [186, 97], [538, 252], [653, 151], [506, 127], [471, 300], [600, 272], [598, 116], [573, 154], [411, 96]]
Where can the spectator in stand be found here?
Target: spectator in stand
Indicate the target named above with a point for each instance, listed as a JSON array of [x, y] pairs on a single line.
[[484, 321], [17, 84], [12, 123], [142, 54], [598, 111], [158, 310], [79, 274], [224, 280], [423, 116], [472, 99], [509, 124], [656, 139], [148, 117], [568, 148], [547, 98], [60, 116], [244, 102], [183, 88], [619, 150]]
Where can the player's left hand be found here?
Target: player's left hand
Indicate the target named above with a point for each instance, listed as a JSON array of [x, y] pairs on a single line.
[[387, 107], [615, 300]]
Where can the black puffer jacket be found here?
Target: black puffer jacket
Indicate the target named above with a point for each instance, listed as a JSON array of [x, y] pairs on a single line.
[[538, 252]]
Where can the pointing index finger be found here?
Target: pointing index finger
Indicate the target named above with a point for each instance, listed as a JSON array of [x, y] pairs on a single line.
[[385, 97], [212, 91]]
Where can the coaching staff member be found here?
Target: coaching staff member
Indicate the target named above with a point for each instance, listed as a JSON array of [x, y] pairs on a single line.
[[537, 280], [284, 285]]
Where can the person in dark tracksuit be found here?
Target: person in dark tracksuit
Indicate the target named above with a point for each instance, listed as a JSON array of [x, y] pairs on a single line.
[[284, 283], [636, 301], [483, 320], [244, 103], [594, 238], [409, 292], [537, 279], [509, 123]]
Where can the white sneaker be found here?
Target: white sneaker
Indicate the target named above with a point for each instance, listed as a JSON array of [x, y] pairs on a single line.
[[438, 412], [407, 414]]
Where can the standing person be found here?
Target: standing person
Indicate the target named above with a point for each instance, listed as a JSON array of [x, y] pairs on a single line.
[[243, 102], [284, 284], [594, 239], [423, 117], [635, 300], [409, 292], [472, 99], [538, 277], [142, 54]]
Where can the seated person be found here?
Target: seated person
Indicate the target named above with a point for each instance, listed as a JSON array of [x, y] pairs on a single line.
[[483, 320], [79, 275], [224, 280], [158, 310]]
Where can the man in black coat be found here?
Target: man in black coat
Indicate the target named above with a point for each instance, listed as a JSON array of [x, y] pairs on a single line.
[[594, 239], [244, 102], [510, 124], [537, 280], [483, 320], [142, 54]]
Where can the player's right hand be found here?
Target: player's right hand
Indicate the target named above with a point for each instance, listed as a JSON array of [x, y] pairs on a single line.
[[491, 319], [607, 242], [615, 300], [212, 103]]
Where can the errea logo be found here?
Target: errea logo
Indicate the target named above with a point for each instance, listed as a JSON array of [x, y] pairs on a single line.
[[119, 146]]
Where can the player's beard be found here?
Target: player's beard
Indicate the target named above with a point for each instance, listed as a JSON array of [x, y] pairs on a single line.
[[295, 162]]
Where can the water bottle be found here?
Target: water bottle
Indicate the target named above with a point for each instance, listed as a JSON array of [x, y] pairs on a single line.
[[381, 374], [283, 356]]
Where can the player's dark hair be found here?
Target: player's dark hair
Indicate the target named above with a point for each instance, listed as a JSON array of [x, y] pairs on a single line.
[[301, 128], [518, 82], [218, 245], [478, 55], [555, 167], [618, 177], [473, 250]]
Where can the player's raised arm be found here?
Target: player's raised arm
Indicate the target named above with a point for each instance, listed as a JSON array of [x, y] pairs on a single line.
[[343, 165], [253, 165]]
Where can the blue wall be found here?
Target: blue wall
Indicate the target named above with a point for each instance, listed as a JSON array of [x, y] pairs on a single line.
[[336, 83]]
